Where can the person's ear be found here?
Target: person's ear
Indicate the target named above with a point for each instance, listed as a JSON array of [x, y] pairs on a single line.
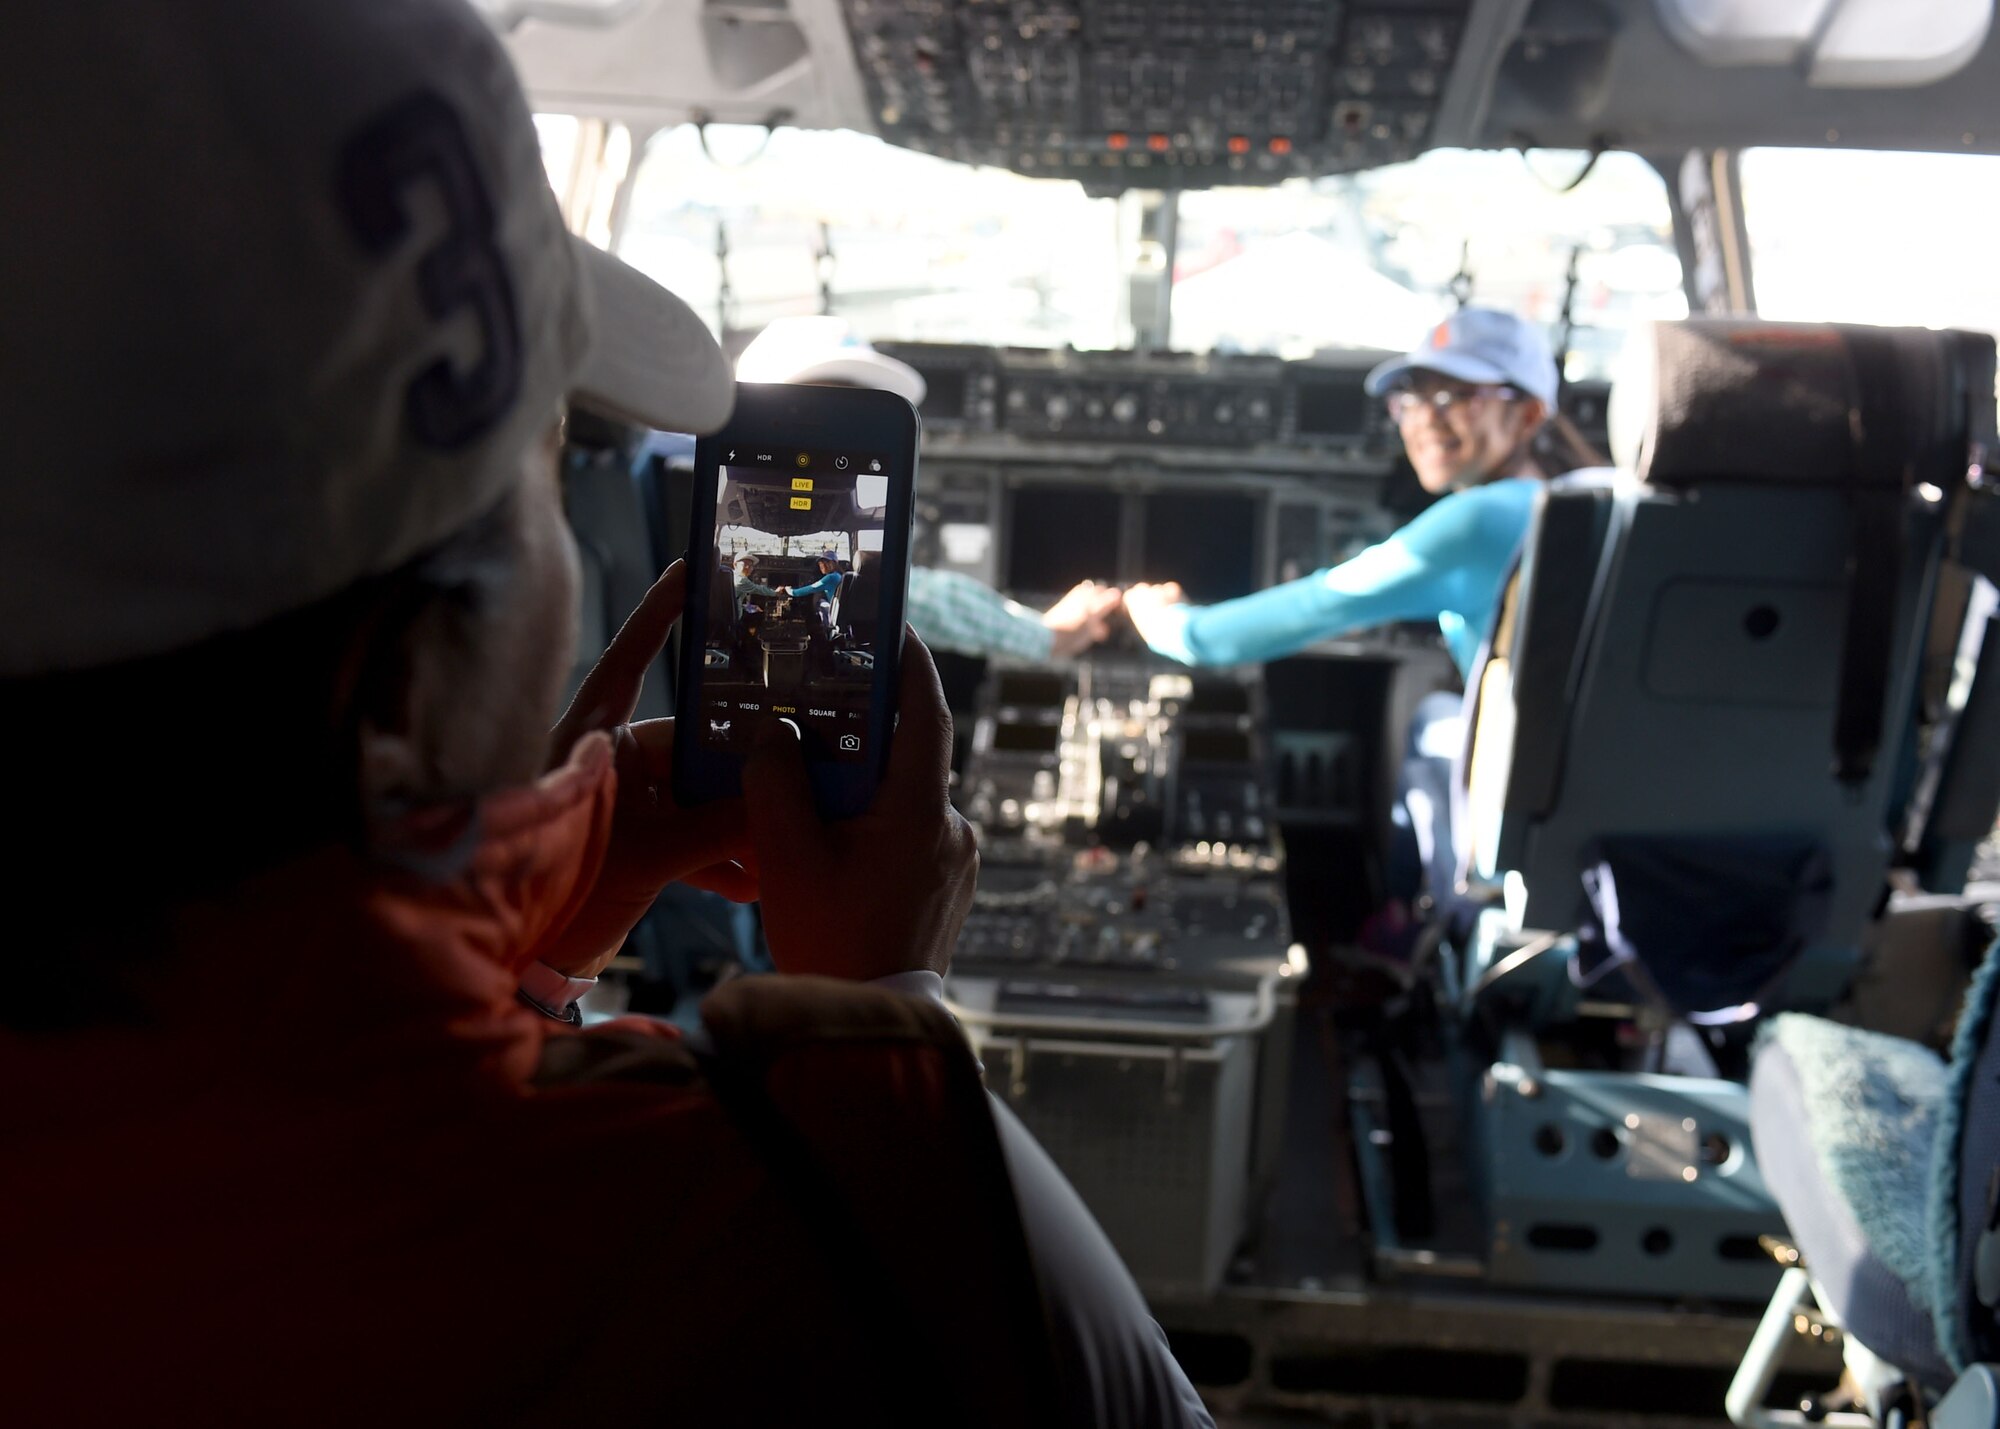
[[390, 767], [1534, 412], [406, 743], [397, 733]]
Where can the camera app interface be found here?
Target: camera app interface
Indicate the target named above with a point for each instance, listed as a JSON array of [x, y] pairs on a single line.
[[795, 596]]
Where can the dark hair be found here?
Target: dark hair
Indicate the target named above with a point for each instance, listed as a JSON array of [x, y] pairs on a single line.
[[155, 782], [1559, 447], [1555, 447]]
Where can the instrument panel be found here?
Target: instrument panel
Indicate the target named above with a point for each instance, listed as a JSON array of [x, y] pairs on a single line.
[[1126, 827], [1175, 399], [1171, 398], [1158, 93], [1225, 472]]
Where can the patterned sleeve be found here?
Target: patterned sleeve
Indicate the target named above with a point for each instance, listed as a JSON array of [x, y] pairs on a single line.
[[954, 612]]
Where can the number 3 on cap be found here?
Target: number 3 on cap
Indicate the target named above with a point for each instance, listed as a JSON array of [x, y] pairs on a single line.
[[422, 141]]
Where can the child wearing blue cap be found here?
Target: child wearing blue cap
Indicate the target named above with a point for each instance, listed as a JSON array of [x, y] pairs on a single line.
[[828, 584], [1470, 404]]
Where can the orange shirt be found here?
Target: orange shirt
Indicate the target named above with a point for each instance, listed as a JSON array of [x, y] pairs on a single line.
[[319, 1181]]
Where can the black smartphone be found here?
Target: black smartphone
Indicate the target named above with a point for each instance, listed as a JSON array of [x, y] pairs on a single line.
[[798, 566]]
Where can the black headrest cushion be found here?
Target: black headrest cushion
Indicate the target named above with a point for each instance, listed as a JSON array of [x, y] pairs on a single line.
[[1738, 400]]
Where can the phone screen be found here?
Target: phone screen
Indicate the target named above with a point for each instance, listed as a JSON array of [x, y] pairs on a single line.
[[799, 545], [802, 534]]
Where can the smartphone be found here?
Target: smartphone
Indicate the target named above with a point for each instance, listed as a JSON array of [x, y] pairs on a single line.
[[798, 566]]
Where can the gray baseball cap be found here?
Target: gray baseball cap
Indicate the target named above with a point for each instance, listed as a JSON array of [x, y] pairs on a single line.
[[285, 314], [825, 349], [1479, 345]]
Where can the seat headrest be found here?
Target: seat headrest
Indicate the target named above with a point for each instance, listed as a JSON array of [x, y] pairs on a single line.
[[1738, 400]]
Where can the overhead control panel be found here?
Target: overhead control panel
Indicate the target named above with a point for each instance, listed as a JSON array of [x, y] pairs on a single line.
[[1158, 93]]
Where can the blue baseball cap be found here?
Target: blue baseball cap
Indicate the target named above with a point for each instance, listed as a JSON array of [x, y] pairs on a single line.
[[827, 556], [1479, 345]]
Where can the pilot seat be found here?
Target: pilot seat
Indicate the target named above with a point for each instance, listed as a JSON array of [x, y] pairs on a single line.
[[1883, 1155], [860, 606], [1690, 745], [616, 564], [1886, 1160]]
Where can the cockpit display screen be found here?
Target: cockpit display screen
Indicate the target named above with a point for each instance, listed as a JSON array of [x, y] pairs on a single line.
[[1205, 540], [1218, 697], [1027, 738], [1216, 746], [1037, 689], [1332, 407], [944, 393], [1061, 535]]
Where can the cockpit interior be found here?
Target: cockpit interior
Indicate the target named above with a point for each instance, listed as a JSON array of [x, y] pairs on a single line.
[[1525, 1113], [1565, 996]]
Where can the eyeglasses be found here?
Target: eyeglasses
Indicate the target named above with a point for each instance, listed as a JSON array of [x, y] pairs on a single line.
[[1406, 400]]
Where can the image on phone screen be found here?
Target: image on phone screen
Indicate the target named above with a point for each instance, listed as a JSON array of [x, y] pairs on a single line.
[[795, 597]]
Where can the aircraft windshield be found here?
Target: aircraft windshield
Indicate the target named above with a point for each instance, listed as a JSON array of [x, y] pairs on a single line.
[[747, 540], [750, 227], [921, 248], [1369, 260], [1891, 238]]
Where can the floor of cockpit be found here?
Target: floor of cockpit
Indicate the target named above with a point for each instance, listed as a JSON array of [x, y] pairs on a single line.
[[1309, 1329], [1314, 1231]]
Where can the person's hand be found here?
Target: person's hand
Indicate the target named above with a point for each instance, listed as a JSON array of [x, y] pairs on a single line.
[[1145, 607], [887, 891], [1082, 617], [654, 841]]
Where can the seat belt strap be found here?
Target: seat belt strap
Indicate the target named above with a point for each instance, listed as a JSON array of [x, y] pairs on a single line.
[[1878, 482]]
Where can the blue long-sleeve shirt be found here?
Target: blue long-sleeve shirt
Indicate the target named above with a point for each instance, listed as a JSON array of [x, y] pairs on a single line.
[[827, 586], [1447, 565]]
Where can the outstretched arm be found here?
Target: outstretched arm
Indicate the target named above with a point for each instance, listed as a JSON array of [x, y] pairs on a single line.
[[1446, 559], [952, 611]]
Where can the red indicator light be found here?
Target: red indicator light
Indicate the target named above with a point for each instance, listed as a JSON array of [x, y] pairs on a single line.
[[1238, 144], [1116, 141], [1281, 146], [1157, 143]]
